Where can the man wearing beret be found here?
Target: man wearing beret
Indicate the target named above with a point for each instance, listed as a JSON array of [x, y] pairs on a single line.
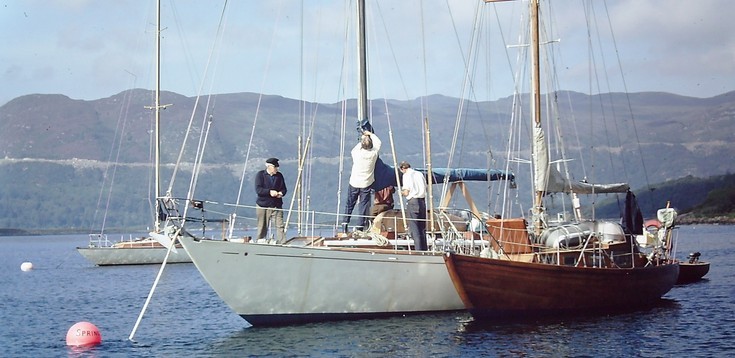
[[270, 188]]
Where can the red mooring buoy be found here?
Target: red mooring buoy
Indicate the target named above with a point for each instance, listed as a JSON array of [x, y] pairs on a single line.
[[83, 334]]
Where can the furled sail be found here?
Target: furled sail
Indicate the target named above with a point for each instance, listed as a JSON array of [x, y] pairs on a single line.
[[549, 180], [540, 159], [468, 174], [557, 183], [385, 175]]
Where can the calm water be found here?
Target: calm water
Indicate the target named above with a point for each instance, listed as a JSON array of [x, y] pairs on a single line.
[[186, 318]]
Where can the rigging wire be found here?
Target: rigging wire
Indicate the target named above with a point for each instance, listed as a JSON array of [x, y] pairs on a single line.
[[189, 129], [257, 108], [627, 97], [108, 174], [517, 126], [341, 93], [387, 112], [306, 134], [115, 149], [462, 101], [300, 194]]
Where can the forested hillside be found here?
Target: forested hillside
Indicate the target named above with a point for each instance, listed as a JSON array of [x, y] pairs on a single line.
[[696, 199], [73, 165]]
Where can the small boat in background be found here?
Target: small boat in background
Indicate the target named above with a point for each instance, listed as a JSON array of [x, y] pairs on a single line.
[[145, 250], [692, 270], [138, 251]]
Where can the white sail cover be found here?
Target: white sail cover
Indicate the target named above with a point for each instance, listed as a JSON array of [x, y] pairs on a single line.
[[540, 159], [549, 180]]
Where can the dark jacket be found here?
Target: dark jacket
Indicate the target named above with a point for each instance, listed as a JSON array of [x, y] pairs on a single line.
[[264, 183]]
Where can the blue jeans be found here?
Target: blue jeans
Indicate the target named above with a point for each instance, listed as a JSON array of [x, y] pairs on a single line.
[[416, 215], [363, 210]]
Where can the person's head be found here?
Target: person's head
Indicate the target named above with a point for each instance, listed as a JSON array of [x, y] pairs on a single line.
[[271, 165], [403, 166], [366, 142]]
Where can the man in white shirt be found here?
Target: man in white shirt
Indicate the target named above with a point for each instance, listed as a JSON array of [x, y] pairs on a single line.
[[364, 155], [414, 189]]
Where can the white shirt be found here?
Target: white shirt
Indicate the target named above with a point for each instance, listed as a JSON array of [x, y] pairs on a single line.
[[415, 183], [363, 164]]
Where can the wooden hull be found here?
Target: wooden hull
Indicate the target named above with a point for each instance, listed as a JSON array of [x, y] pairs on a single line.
[[692, 272], [510, 289]]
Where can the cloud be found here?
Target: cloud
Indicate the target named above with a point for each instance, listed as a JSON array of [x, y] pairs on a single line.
[[85, 47]]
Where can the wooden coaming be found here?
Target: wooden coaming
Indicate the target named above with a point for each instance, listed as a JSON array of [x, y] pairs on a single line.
[[511, 235]]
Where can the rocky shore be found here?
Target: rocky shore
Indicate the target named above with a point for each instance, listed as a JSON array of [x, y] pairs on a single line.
[[689, 219]]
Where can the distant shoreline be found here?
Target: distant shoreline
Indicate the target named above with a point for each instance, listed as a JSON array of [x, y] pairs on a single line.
[[38, 232], [719, 220], [13, 232], [681, 220]]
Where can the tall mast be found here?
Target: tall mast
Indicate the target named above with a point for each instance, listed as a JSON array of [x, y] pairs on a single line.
[[157, 124], [540, 152], [535, 64], [362, 97]]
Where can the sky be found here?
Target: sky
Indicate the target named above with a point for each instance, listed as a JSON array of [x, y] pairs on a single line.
[[92, 49]]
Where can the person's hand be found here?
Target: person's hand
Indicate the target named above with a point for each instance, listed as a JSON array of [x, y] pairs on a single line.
[[274, 193], [367, 133]]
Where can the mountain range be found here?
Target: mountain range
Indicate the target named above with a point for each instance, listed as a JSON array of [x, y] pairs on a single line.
[[63, 158]]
